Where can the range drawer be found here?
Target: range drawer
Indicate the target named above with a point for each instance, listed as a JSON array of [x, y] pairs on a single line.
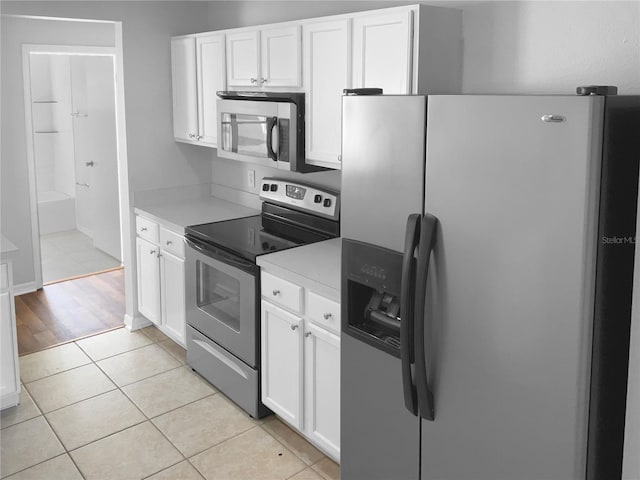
[[281, 292], [171, 242], [323, 311], [147, 229]]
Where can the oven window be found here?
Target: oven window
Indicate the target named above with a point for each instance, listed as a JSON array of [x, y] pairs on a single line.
[[245, 134], [218, 295]]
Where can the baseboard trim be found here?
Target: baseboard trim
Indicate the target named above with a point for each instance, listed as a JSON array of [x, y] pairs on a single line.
[[23, 288], [133, 323]]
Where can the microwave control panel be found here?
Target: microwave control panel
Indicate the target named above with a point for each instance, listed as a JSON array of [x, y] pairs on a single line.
[[309, 198]]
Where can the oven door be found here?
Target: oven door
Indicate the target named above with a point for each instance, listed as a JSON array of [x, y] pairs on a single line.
[[221, 300]]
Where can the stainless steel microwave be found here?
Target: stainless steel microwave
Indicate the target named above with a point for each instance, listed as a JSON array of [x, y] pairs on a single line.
[[266, 128]]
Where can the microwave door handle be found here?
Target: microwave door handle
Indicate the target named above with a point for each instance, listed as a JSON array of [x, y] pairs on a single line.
[[427, 243], [407, 294], [271, 123]]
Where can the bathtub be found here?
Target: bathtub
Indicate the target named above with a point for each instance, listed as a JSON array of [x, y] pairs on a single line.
[[56, 212]]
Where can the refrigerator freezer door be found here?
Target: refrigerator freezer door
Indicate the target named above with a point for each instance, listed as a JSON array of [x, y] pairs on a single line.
[[383, 141], [513, 271], [379, 438]]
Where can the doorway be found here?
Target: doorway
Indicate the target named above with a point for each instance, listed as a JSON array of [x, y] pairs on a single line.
[[73, 126]]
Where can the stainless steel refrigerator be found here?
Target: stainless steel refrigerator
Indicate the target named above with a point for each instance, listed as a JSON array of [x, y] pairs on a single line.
[[486, 291]]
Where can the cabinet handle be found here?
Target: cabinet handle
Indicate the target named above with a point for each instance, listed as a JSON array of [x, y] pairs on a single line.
[[308, 334], [294, 326], [263, 80], [168, 242], [198, 137], [143, 229], [327, 316], [152, 252], [276, 293], [253, 80], [159, 254], [339, 157], [191, 135]]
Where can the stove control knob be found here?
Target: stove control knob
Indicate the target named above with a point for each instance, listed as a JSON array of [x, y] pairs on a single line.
[[274, 187], [317, 199], [265, 187], [327, 202]]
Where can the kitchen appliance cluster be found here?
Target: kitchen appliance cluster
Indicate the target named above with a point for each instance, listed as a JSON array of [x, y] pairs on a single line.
[[223, 282]]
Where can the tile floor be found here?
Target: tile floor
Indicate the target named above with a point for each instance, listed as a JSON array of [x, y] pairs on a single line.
[[71, 254], [124, 405]]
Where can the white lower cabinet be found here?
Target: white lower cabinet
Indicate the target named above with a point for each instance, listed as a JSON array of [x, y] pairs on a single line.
[[9, 366], [161, 278], [300, 350]]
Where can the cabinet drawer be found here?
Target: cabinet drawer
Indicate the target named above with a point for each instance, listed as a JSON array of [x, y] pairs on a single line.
[[4, 276], [172, 242], [323, 311], [147, 229], [281, 292]]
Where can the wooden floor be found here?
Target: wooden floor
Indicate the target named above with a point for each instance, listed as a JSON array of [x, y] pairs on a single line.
[[69, 310]]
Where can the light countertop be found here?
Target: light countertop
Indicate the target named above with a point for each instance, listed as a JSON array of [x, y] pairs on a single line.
[[8, 250], [177, 215], [318, 262]]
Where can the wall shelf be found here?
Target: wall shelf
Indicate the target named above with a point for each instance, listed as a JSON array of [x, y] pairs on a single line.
[[46, 131], [45, 101]]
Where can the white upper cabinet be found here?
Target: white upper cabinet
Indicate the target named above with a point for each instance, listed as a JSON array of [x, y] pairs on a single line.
[[264, 58], [382, 51], [210, 56], [185, 96], [197, 66], [326, 73]]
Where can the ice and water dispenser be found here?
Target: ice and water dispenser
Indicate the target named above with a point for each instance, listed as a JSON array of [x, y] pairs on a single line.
[[371, 283]]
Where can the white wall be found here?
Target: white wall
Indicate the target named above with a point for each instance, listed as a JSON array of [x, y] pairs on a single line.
[[155, 160]]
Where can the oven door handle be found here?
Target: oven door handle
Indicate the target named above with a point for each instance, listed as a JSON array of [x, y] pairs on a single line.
[[223, 256]]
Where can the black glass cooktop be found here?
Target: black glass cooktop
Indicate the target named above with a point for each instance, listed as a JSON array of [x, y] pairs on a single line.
[[249, 237]]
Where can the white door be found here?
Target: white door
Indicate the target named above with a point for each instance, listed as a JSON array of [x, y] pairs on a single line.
[[185, 98], [210, 60], [243, 59], [322, 387], [280, 52], [103, 164], [382, 52], [282, 363], [148, 280], [326, 73], [172, 295]]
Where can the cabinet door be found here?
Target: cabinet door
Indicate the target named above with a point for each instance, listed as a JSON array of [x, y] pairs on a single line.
[[172, 282], [148, 280], [322, 387], [280, 55], [281, 341], [185, 97], [242, 59], [8, 354], [211, 78], [326, 74], [382, 52]]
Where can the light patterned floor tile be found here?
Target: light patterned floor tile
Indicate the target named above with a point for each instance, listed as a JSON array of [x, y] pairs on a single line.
[[329, 469], [136, 365], [181, 471], [113, 343], [95, 418], [58, 468], [25, 410], [294, 442], [154, 334], [307, 474], [51, 361], [202, 424], [164, 392], [176, 350], [69, 387], [27, 444], [134, 453], [252, 455]]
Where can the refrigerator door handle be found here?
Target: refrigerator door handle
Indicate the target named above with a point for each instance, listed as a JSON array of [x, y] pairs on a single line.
[[428, 228], [407, 292]]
